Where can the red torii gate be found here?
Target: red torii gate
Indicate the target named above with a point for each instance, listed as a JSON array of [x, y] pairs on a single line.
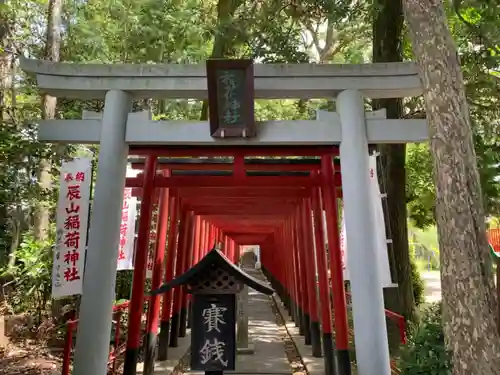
[[237, 202]]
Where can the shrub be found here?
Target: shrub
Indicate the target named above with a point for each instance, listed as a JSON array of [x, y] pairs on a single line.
[[425, 352], [418, 283], [32, 277]]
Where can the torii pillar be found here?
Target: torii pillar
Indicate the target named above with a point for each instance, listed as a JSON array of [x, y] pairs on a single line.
[[92, 343], [370, 334]]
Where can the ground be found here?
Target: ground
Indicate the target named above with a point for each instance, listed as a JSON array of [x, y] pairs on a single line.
[[22, 354], [27, 359]]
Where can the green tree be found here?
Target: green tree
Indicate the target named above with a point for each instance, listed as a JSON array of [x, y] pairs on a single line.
[[467, 284], [474, 26]]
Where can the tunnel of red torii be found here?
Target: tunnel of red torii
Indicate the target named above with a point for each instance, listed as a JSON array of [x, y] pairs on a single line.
[[237, 197]]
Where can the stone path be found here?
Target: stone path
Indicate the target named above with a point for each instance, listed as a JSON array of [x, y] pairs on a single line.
[[269, 356]]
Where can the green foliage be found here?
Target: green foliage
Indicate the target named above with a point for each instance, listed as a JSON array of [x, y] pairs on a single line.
[[425, 352], [420, 191], [424, 245], [280, 110], [32, 276], [474, 24], [418, 283], [138, 31]]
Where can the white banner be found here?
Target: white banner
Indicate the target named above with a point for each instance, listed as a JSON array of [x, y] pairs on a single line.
[[71, 227], [380, 236], [127, 232], [379, 221]]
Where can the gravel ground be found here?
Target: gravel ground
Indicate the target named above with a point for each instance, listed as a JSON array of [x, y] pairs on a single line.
[[28, 360]]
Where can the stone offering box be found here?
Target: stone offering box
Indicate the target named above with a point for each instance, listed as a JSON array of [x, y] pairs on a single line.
[[214, 282]]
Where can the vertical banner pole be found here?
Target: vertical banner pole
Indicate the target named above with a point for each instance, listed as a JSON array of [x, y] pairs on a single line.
[[141, 258], [169, 275], [154, 302], [323, 283], [337, 278]]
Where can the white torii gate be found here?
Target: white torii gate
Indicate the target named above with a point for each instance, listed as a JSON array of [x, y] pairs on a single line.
[[117, 128]]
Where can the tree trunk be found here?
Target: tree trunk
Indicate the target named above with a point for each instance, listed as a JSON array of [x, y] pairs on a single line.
[[223, 39], [469, 300], [16, 229], [49, 103], [7, 22], [387, 35]]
